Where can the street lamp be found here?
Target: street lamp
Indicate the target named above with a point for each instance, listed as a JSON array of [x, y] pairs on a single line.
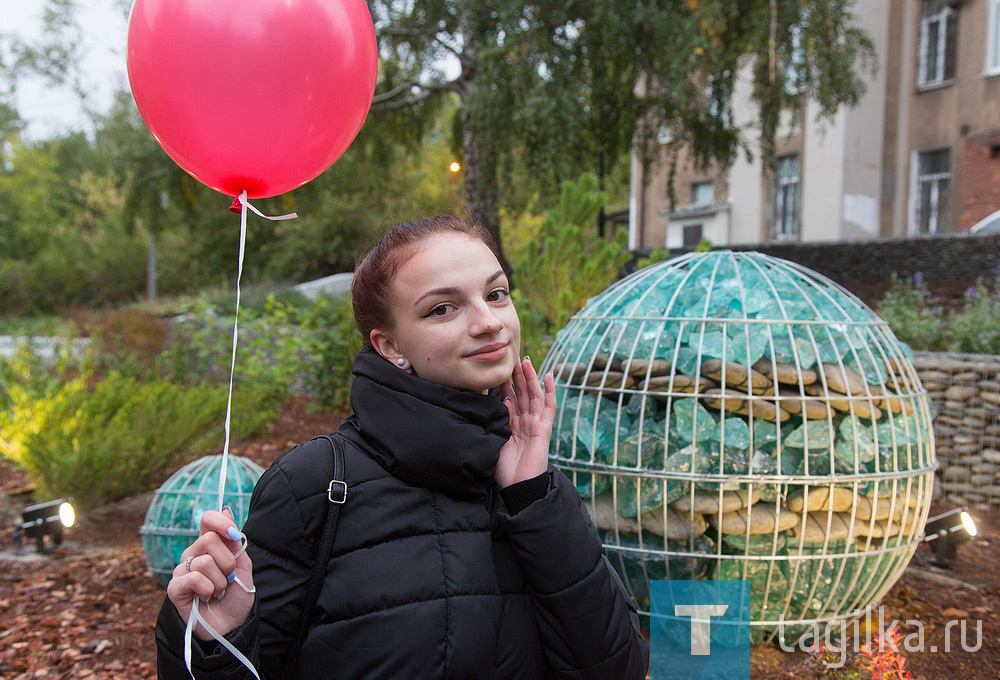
[[455, 166]]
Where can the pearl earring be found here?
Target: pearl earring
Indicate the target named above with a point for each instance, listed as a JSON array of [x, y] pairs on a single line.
[[400, 361]]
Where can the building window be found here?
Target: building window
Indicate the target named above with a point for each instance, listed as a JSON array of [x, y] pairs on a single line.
[[702, 193], [993, 39], [692, 236], [938, 35], [933, 176], [786, 198]]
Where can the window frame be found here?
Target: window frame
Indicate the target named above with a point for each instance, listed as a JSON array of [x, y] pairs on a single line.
[[943, 17], [992, 56], [781, 217], [694, 192], [940, 222]]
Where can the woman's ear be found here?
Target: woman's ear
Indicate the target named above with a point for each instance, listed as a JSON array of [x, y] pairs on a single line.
[[386, 346]]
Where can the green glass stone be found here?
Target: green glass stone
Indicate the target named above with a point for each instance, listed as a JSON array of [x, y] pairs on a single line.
[[822, 583], [693, 421], [764, 463], [855, 435], [765, 433], [796, 350], [635, 495], [693, 459], [820, 464], [744, 347], [590, 484], [687, 361], [812, 435], [755, 544], [735, 433], [645, 451], [640, 407]]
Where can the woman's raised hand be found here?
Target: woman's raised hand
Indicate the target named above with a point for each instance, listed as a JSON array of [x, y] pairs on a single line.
[[208, 570], [526, 453]]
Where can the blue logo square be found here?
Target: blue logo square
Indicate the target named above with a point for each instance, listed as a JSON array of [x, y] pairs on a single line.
[[696, 630]]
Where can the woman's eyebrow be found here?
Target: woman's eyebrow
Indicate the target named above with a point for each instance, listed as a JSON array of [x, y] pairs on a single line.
[[451, 290]]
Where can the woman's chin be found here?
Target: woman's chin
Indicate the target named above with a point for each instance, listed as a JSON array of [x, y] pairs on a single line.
[[486, 378]]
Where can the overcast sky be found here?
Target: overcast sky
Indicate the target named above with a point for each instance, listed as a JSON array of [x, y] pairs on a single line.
[[51, 110]]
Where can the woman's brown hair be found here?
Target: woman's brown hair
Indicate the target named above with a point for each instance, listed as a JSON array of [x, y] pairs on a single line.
[[376, 269]]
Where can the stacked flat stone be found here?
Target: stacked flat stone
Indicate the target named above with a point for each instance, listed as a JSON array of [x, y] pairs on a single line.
[[966, 391], [734, 416]]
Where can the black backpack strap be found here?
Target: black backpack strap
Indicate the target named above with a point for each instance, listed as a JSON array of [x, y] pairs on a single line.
[[337, 494]]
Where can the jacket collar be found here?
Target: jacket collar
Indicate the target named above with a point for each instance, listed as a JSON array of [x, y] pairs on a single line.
[[427, 434]]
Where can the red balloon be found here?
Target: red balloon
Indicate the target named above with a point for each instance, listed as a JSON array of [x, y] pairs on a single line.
[[254, 95]]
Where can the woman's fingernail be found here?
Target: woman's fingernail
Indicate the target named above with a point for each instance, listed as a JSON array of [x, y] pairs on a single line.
[[228, 508], [234, 533], [232, 576], [221, 595], [527, 358], [506, 399]]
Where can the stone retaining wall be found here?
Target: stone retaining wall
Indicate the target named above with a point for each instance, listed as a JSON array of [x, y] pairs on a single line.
[[965, 389]]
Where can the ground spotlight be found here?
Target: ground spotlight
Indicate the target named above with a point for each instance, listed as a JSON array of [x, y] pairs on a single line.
[[945, 532], [44, 519]]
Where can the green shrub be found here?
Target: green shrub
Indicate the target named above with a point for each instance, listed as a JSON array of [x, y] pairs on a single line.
[[655, 255], [287, 348], [975, 328], [913, 314], [101, 443], [565, 265]]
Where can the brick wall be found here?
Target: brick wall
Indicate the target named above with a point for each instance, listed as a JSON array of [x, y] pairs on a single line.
[[980, 178]]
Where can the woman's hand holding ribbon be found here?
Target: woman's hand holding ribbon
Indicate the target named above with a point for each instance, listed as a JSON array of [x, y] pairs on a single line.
[[208, 568]]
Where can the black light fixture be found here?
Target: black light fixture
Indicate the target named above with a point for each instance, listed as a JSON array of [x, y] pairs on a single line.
[[44, 519], [945, 532]]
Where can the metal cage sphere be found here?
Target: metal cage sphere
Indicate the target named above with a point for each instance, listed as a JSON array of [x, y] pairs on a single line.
[[734, 416], [174, 515]]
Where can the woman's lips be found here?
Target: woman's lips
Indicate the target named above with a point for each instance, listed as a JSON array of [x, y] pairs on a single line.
[[490, 353]]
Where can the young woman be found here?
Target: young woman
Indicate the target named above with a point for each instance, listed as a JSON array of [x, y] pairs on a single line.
[[459, 552]]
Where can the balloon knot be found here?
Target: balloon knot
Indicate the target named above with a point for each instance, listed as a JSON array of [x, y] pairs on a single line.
[[236, 207]]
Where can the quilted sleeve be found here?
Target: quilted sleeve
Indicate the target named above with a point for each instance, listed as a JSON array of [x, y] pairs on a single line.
[[588, 624]]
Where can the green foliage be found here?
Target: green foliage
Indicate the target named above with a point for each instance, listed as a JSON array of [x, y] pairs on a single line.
[[975, 328], [656, 255], [917, 317], [287, 348], [704, 245], [103, 443], [565, 265], [913, 314], [551, 87]]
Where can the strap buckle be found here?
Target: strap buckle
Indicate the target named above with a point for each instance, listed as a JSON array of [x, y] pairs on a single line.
[[341, 491]]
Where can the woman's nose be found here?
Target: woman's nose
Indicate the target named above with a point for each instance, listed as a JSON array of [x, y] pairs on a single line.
[[485, 321]]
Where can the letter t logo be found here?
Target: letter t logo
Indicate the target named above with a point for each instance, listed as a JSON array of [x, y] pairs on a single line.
[[701, 639]]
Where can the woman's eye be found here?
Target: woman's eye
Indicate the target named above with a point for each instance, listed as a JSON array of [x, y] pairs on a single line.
[[498, 294], [440, 310]]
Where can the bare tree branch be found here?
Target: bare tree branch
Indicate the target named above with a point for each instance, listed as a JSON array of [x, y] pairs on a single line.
[[399, 89], [386, 101]]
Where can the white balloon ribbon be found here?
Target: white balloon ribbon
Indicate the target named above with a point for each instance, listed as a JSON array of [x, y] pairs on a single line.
[[196, 616]]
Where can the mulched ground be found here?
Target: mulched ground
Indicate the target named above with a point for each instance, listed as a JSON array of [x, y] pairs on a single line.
[[90, 613]]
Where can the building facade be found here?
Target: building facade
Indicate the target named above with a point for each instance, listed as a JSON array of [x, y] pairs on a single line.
[[919, 154]]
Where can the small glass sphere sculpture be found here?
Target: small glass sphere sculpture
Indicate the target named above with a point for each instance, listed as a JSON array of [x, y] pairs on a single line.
[[174, 515], [734, 416]]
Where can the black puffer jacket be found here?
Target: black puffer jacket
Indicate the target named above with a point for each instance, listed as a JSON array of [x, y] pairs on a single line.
[[430, 576]]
